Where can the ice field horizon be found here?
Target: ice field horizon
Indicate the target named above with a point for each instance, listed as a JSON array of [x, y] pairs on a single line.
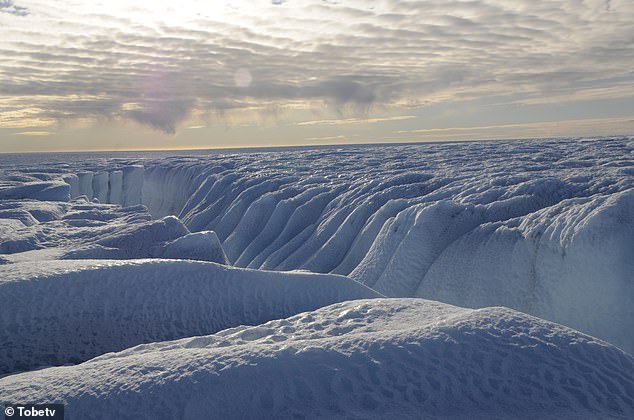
[[448, 280]]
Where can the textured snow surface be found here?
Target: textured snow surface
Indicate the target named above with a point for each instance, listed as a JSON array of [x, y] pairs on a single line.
[[85, 230], [380, 358], [542, 226], [65, 312]]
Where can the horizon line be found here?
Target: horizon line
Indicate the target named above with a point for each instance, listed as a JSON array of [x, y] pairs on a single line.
[[187, 149]]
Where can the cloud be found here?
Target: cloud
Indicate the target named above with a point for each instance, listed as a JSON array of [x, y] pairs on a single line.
[[578, 127], [161, 114], [349, 121], [8, 6], [33, 133], [327, 138], [346, 90], [349, 60]]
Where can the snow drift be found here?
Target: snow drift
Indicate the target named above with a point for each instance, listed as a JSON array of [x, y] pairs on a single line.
[[382, 358], [66, 312]]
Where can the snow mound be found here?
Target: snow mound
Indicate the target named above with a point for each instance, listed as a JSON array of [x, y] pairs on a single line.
[[381, 358], [18, 221], [70, 311], [201, 246], [44, 191], [164, 238], [87, 230]]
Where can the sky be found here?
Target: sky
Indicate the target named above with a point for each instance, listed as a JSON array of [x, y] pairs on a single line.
[[122, 75]]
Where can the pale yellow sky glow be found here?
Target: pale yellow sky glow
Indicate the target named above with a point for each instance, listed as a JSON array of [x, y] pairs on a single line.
[[101, 75], [33, 133]]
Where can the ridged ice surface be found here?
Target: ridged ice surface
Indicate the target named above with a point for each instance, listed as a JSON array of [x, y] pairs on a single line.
[[543, 226], [368, 359]]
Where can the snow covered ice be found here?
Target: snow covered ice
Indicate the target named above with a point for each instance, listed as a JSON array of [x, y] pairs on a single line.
[[69, 311], [102, 252], [394, 358]]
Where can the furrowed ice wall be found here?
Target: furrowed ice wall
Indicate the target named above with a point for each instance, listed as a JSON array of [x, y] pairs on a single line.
[[543, 227], [163, 190]]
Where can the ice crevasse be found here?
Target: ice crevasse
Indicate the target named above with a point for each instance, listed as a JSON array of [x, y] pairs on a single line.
[[545, 227]]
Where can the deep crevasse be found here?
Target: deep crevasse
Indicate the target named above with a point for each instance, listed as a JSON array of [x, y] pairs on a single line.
[[543, 226]]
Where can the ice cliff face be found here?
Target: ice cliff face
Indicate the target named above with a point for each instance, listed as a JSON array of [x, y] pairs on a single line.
[[546, 227]]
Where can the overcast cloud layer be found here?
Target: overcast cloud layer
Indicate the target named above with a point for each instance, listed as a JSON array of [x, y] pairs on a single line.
[[163, 63]]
